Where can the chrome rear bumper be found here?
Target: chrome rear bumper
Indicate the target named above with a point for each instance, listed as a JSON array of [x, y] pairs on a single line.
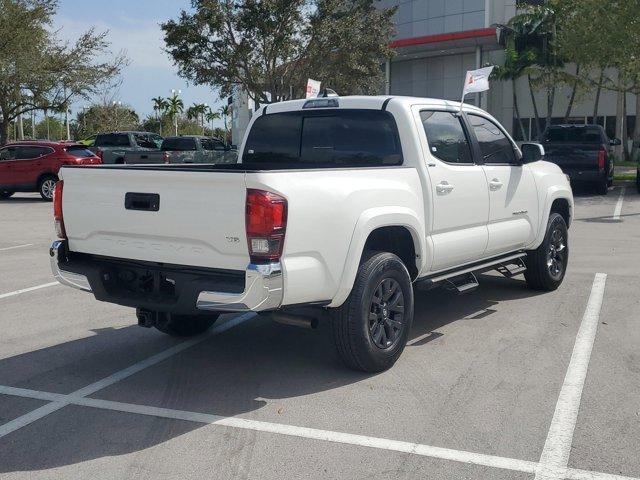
[[59, 249], [263, 287]]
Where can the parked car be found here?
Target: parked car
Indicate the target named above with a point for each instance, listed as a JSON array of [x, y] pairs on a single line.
[[584, 152], [337, 204], [186, 149], [112, 147], [33, 166]]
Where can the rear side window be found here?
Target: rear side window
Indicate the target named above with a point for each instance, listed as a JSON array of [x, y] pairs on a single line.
[[178, 144], [446, 137], [331, 138], [496, 148], [79, 152], [29, 152], [112, 140], [573, 135]]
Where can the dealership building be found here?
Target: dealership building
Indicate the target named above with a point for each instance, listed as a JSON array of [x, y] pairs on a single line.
[[437, 41]]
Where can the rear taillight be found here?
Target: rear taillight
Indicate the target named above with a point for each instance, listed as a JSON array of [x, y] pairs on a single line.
[[57, 210], [266, 224], [602, 155], [100, 155], [166, 157]]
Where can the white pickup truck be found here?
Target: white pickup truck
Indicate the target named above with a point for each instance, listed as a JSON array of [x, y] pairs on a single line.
[[343, 204]]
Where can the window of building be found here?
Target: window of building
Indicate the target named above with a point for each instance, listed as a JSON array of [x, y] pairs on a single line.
[[446, 137], [496, 148]]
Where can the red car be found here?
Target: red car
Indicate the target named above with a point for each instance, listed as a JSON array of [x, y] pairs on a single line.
[[33, 166]]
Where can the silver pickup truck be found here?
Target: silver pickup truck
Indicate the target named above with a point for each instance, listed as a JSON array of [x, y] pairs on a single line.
[[186, 149], [113, 147]]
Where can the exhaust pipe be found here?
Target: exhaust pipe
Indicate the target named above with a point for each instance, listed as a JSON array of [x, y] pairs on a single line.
[[295, 320]]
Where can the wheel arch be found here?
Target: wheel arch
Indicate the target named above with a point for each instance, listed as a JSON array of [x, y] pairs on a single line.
[[386, 229], [43, 175], [559, 200]]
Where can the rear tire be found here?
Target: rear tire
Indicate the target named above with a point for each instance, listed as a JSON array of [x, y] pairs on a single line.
[[46, 186], [602, 187], [4, 194], [185, 325], [547, 265], [371, 328]]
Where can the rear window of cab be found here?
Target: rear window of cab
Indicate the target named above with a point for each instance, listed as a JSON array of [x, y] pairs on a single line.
[[324, 139]]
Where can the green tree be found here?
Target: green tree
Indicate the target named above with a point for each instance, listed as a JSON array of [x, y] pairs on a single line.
[[37, 70], [105, 117], [160, 106], [271, 47], [211, 116], [175, 107], [605, 36]]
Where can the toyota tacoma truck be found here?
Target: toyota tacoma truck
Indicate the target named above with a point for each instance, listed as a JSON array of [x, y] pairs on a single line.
[[339, 206]]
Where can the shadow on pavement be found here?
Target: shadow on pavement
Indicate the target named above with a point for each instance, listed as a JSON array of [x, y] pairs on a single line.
[[230, 374]]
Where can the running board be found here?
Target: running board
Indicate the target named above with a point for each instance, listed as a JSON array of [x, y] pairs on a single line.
[[493, 264], [512, 269]]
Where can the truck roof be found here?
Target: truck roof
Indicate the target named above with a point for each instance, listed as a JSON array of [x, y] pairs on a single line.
[[373, 102]]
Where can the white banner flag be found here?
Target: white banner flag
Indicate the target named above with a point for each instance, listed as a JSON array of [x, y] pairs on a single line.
[[313, 88], [476, 81]]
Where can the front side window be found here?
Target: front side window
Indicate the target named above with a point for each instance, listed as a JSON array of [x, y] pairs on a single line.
[[144, 141], [496, 148], [7, 153], [446, 137], [324, 139]]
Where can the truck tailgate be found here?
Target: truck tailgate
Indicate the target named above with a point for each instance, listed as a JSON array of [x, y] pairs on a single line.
[[200, 219], [573, 157]]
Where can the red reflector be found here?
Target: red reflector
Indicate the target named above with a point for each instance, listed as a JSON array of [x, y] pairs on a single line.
[[57, 210], [602, 155], [266, 224]]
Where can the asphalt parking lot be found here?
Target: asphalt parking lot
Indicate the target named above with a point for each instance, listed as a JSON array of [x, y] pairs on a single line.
[[502, 383]]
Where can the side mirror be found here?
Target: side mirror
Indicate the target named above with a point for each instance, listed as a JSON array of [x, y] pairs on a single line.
[[532, 152], [614, 142]]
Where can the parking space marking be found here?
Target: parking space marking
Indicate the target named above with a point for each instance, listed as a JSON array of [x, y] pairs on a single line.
[[25, 290], [64, 400], [16, 246], [557, 447], [618, 210], [460, 456]]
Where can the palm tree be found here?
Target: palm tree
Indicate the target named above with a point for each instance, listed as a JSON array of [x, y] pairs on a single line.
[[175, 106], [210, 116], [159, 107]]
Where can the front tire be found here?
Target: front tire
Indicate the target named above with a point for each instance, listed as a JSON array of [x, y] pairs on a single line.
[[4, 194], [46, 186], [185, 325], [371, 328], [547, 265]]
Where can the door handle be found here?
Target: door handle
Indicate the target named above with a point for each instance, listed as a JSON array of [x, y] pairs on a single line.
[[444, 187], [495, 184]]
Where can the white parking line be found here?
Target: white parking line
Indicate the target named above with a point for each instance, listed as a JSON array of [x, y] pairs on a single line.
[[461, 456], [64, 400], [17, 246], [618, 210], [25, 290], [555, 455]]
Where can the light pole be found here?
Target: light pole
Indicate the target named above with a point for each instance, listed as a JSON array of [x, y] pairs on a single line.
[[175, 93], [204, 109], [116, 105]]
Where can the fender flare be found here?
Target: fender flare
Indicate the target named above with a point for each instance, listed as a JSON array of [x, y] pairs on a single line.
[[369, 221], [553, 193]]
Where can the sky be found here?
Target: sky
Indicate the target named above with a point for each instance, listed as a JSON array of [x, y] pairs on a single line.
[[134, 27]]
